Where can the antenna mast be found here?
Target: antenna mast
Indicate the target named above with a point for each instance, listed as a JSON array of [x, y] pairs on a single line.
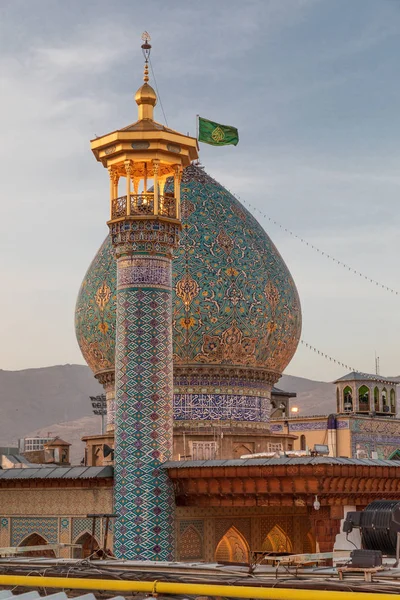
[[376, 364]]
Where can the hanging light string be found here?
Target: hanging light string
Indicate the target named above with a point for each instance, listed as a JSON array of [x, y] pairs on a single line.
[[310, 245], [344, 365], [157, 92]]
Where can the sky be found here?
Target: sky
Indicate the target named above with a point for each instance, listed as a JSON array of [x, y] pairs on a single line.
[[314, 89]]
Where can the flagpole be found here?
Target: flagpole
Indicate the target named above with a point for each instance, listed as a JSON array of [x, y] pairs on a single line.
[[197, 134]]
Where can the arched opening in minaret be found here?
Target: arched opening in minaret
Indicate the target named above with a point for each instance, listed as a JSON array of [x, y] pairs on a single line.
[[392, 401], [363, 399], [348, 399], [376, 399], [385, 406]]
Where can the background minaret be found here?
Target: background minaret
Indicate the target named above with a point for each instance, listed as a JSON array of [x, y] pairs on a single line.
[[144, 227]]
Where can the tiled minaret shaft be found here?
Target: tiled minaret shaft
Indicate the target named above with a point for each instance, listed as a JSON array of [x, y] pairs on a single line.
[[143, 493], [144, 229]]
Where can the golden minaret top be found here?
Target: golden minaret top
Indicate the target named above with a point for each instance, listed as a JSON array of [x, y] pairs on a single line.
[[145, 97]]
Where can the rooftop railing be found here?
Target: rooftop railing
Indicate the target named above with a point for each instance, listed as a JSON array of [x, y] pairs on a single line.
[[144, 204]]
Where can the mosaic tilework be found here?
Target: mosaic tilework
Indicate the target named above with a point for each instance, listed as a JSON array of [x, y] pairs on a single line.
[[83, 525], [4, 523], [275, 428], [192, 407], [308, 425], [234, 300], [22, 527], [143, 493], [136, 270], [95, 311], [64, 523], [342, 425]]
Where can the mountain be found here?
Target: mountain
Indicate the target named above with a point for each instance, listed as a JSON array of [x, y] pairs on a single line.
[[36, 398], [55, 400], [313, 397]]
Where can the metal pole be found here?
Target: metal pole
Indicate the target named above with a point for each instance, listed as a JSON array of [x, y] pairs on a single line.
[[93, 534]]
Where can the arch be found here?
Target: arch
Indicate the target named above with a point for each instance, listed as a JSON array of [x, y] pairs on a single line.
[[385, 405], [376, 399], [337, 400], [34, 539], [363, 398], [85, 540], [232, 547], [302, 442], [392, 401], [190, 544], [348, 399], [277, 541]]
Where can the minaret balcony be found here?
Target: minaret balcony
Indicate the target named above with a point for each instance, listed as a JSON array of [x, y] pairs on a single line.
[[144, 204]]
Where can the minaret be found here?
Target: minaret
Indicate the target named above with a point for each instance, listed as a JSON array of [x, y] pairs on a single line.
[[144, 227]]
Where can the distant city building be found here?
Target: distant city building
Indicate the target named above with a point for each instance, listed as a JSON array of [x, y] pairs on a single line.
[[32, 444]]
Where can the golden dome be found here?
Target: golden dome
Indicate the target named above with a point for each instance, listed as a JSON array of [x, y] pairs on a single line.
[[146, 95]]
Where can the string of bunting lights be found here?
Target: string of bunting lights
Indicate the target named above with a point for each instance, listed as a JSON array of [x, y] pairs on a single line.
[[323, 253], [342, 264], [342, 364]]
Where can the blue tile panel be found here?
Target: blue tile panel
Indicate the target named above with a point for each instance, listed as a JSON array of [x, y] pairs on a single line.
[[223, 407]]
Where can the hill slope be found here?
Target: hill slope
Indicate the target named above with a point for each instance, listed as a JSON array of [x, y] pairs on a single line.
[[56, 400], [36, 398]]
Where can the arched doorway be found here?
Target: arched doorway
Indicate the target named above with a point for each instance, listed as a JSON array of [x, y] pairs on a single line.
[[36, 540], [232, 547], [277, 541], [85, 540]]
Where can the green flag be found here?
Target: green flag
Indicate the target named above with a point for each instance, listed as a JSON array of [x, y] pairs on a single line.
[[216, 134]]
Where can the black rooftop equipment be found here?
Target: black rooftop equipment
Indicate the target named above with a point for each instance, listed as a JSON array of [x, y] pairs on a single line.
[[379, 523]]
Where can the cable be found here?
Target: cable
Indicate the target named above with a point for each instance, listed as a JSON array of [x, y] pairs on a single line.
[[158, 93], [322, 252]]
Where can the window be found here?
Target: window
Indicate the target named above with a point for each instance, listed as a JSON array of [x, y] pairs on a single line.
[[376, 399], [274, 447], [392, 401], [337, 400], [348, 399], [204, 450], [363, 399], [302, 442], [385, 406]]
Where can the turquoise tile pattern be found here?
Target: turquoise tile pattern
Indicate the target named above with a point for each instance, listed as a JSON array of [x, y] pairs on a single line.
[[234, 300], [143, 494]]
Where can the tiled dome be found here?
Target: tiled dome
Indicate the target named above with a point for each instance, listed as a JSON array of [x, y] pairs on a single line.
[[235, 302]]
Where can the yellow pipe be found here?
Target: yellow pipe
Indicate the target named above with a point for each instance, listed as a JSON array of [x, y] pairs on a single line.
[[192, 589]]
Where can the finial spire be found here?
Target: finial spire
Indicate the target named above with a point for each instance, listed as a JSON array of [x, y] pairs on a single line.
[[146, 48], [145, 97]]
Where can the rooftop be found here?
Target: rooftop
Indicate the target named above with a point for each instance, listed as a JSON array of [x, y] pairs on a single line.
[[45, 472], [356, 376], [282, 460]]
